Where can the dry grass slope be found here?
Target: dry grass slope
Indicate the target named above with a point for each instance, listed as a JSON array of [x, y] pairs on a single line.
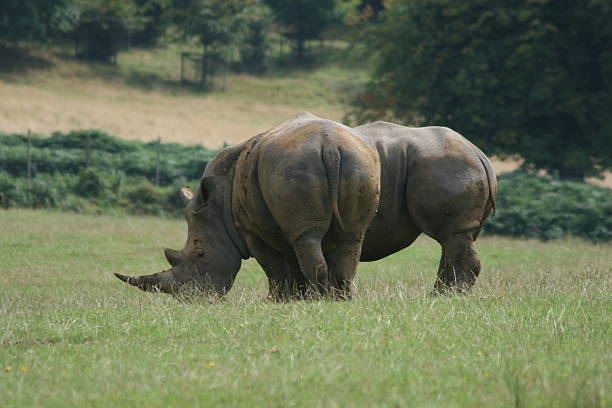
[[140, 99]]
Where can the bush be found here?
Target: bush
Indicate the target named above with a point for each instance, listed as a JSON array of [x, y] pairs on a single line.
[[545, 208], [147, 199], [71, 153], [120, 175], [91, 171], [91, 183]]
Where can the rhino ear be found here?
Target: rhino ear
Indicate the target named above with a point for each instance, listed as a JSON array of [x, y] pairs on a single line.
[[208, 186], [186, 194]]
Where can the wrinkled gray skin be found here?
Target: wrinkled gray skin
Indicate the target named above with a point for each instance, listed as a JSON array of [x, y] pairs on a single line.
[[299, 198], [432, 181]]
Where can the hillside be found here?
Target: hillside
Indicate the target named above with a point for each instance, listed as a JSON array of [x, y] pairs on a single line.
[[48, 90], [140, 97]]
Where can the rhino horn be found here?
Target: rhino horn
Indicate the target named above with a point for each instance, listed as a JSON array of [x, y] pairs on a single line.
[[157, 282], [173, 257]]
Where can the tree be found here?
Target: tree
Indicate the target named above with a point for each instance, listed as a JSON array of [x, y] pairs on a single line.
[[154, 15], [371, 8], [27, 19], [213, 22], [254, 47], [303, 20], [524, 76], [98, 25]]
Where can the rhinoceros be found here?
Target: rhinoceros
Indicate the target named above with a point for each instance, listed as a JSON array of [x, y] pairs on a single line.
[[300, 196], [273, 197]]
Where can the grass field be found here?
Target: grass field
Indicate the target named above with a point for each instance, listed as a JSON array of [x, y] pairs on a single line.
[[536, 331]]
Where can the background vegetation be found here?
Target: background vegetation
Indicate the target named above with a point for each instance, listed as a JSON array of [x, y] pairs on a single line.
[[528, 78], [90, 171], [523, 77]]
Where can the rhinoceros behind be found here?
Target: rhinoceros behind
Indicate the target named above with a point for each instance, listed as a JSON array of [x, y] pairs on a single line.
[[299, 197], [432, 180]]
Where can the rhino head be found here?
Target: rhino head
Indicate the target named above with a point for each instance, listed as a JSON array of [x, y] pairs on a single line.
[[213, 251]]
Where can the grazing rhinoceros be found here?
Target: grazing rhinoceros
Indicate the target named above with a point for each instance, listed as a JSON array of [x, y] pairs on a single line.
[[298, 197], [432, 180]]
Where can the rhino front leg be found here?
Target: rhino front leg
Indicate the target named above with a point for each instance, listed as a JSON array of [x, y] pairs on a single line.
[[312, 263], [285, 281]]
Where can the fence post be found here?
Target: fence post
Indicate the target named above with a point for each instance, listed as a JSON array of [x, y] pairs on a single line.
[[157, 162], [225, 62], [182, 68], [88, 151], [29, 159]]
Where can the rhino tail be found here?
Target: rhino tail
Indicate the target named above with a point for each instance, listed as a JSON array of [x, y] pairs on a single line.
[[331, 161]]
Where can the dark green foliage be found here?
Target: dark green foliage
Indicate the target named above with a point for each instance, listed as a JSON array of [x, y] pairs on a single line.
[[66, 153], [154, 15], [371, 8], [526, 77], [145, 198], [254, 48], [91, 183], [303, 20], [99, 26], [27, 19], [543, 208], [118, 170], [213, 22]]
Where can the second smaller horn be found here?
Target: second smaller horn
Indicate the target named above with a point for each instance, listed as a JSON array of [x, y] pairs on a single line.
[[173, 257]]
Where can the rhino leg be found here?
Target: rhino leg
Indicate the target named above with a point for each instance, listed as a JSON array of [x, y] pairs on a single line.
[[285, 280], [343, 263], [313, 265], [459, 264]]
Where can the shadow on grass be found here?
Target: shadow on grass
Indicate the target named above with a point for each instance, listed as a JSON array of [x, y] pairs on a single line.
[[131, 77], [316, 56], [15, 59]]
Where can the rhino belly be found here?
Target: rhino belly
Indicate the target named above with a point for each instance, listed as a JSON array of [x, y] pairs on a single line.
[[387, 235]]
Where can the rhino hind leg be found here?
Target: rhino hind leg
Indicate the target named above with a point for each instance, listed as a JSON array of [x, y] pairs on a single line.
[[313, 264], [459, 264], [343, 263]]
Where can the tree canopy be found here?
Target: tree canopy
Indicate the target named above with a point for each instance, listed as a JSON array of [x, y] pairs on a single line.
[[524, 76], [303, 20], [27, 19]]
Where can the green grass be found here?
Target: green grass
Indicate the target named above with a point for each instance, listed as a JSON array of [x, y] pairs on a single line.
[[536, 330]]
